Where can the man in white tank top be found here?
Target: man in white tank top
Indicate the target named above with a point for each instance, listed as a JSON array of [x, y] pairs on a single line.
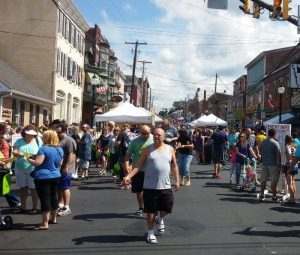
[[158, 161]]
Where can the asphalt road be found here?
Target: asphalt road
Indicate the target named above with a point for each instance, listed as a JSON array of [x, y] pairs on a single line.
[[209, 218]]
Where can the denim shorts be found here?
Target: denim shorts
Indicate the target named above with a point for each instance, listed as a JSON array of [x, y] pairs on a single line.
[[65, 182]]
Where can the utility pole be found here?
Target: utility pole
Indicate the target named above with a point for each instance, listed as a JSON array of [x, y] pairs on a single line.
[[215, 101], [150, 100], [134, 64], [143, 72]]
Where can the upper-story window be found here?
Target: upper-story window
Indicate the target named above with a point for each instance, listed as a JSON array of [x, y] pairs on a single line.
[[58, 61], [60, 22], [70, 39]]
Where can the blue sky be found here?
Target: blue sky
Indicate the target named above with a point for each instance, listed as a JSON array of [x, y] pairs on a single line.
[[186, 42]]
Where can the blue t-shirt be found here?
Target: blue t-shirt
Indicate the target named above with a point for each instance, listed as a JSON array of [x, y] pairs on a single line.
[[219, 138], [297, 152], [232, 139], [50, 168], [85, 147], [30, 148]]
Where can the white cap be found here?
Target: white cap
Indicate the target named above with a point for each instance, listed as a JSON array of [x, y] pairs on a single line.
[[30, 132]]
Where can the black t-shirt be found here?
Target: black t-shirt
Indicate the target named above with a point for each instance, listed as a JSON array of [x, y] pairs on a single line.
[[185, 140]]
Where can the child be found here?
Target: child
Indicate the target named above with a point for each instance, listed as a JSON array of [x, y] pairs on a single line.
[[233, 160]]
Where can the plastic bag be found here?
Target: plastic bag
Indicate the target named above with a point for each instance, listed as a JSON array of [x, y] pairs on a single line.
[[116, 170]]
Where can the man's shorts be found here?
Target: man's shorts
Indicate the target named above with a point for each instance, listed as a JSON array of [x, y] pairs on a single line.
[[218, 157], [137, 182], [65, 182], [23, 179], [84, 164], [271, 172], [158, 200]]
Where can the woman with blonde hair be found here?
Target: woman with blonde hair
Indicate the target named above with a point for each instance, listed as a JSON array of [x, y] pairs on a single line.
[[46, 176]]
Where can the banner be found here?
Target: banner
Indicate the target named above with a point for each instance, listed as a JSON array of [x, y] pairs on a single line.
[[281, 131]]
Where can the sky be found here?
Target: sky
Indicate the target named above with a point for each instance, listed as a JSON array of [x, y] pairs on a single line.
[[187, 43]]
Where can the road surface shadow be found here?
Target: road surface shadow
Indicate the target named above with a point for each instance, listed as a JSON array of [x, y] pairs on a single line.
[[241, 200], [98, 188], [288, 209], [95, 216], [238, 194], [108, 239], [253, 232], [217, 185], [284, 223]]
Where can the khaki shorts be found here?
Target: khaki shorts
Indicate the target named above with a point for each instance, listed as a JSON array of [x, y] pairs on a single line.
[[271, 172]]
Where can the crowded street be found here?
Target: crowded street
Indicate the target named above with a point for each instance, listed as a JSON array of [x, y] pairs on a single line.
[[209, 217]]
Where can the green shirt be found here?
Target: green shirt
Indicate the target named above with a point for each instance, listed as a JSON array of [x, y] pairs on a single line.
[[136, 146]]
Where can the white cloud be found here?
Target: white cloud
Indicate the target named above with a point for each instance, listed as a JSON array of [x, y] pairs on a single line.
[[128, 7], [203, 42]]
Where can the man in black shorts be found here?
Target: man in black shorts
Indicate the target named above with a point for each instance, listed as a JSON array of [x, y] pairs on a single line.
[[133, 152], [220, 139], [158, 161]]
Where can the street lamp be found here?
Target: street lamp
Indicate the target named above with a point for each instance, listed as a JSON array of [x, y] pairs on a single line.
[[93, 84], [280, 90]]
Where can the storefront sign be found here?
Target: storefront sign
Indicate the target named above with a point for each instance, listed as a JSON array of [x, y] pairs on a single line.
[[6, 113]]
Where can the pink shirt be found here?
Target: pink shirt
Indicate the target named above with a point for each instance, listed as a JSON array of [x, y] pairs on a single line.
[[233, 157]]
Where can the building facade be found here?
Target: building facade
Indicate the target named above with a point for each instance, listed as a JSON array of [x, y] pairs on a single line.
[[45, 45]]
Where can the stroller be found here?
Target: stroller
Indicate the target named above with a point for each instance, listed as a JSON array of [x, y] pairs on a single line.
[[6, 222]]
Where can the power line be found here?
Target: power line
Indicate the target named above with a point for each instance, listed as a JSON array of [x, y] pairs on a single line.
[[30, 35]]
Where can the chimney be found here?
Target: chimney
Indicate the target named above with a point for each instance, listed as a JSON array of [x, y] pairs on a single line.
[[204, 96]]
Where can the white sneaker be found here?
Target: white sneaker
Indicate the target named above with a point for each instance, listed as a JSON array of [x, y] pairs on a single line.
[[139, 212], [160, 226], [64, 212], [152, 239], [74, 176]]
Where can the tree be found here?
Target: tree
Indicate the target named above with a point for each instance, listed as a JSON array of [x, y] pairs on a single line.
[[178, 105]]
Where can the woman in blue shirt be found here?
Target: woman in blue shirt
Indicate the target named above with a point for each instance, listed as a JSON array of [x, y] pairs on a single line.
[[46, 175]]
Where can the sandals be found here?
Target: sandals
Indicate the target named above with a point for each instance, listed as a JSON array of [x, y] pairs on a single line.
[[33, 211], [20, 211], [152, 239], [289, 202], [39, 227], [52, 222]]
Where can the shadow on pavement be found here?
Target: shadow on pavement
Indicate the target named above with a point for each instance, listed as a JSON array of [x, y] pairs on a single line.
[[94, 216], [108, 239], [97, 188], [284, 223], [240, 199], [238, 194], [253, 232], [217, 185], [288, 209]]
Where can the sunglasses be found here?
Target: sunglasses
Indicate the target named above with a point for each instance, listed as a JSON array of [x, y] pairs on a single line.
[[144, 133]]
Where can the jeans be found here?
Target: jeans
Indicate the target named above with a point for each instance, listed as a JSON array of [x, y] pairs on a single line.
[[12, 199], [184, 162], [238, 171]]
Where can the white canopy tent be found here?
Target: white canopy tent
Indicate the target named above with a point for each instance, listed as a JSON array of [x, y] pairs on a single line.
[[125, 112], [275, 120], [156, 118], [209, 120]]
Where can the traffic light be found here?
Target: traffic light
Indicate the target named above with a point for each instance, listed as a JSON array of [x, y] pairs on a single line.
[[285, 9], [277, 8], [246, 7], [256, 10]]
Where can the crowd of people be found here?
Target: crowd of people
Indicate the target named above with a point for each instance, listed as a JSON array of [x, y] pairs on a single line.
[[140, 158]]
